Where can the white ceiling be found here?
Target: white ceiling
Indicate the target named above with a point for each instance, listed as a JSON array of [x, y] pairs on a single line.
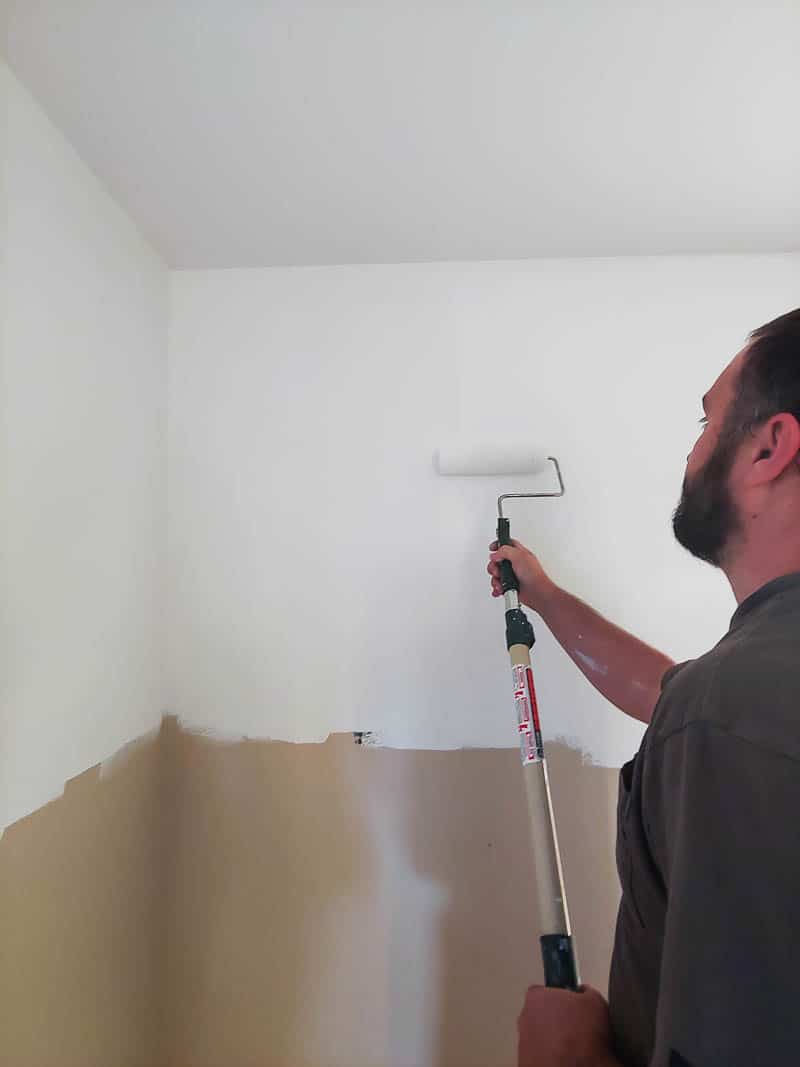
[[240, 133]]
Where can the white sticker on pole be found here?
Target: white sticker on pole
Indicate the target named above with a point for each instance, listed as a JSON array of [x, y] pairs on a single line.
[[530, 735], [521, 700]]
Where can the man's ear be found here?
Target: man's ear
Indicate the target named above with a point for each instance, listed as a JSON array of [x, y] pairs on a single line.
[[775, 447]]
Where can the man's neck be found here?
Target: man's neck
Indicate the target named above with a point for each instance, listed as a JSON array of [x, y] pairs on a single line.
[[757, 562]]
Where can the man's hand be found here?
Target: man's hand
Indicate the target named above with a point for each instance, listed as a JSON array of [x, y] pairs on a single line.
[[535, 587], [559, 1028]]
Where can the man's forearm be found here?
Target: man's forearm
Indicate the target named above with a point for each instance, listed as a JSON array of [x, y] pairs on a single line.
[[624, 669]]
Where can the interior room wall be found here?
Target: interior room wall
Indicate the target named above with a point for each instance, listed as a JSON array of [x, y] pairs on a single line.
[[84, 882], [322, 578], [84, 331], [355, 906], [373, 905]]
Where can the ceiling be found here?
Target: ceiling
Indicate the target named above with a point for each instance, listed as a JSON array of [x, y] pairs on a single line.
[[240, 133]]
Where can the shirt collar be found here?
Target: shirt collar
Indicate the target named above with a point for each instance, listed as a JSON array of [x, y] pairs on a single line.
[[785, 584]]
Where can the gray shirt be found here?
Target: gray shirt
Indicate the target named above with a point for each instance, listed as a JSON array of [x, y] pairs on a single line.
[[708, 852]]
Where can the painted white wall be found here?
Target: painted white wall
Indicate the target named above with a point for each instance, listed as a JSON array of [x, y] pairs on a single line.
[[323, 578], [83, 385], [4, 617]]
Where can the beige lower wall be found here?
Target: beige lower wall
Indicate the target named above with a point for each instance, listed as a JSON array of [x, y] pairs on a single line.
[[338, 906], [81, 921], [263, 903]]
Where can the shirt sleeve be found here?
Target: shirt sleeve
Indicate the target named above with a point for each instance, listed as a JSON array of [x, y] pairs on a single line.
[[670, 672], [730, 849]]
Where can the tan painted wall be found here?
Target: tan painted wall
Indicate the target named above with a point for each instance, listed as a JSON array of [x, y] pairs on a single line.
[[82, 912], [296, 940], [233, 905]]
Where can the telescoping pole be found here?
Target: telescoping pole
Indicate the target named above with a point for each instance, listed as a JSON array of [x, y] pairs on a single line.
[[558, 955]]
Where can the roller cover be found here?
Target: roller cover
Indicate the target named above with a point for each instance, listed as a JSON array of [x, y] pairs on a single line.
[[461, 456]]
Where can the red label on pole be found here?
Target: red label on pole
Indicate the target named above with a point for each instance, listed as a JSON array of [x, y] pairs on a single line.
[[537, 729], [532, 692]]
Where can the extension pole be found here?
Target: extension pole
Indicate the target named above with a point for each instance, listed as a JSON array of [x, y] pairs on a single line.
[[558, 955]]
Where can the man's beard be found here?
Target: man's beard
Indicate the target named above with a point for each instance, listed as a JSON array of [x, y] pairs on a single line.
[[705, 519]]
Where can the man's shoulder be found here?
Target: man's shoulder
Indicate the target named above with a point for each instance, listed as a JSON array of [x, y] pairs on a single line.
[[748, 686]]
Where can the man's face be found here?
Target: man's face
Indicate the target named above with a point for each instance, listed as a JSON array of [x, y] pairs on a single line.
[[706, 516]]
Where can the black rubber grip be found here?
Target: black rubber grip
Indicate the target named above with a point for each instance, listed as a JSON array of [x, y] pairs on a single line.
[[508, 580], [558, 959]]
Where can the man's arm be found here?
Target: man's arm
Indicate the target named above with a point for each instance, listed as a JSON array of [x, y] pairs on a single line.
[[624, 669]]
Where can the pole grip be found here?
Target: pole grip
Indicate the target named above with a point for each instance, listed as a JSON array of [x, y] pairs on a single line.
[[508, 580], [558, 960]]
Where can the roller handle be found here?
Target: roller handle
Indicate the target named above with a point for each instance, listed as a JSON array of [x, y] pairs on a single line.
[[558, 960], [508, 579]]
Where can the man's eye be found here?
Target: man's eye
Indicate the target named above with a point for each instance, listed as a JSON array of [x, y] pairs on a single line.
[[704, 421]]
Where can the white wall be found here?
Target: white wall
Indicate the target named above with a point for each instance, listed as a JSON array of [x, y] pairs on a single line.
[[322, 578], [83, 386]]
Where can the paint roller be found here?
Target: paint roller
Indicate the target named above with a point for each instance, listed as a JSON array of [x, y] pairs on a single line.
[[493, 458]]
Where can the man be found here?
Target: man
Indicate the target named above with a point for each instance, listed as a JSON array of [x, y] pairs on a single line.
[[708, 848]]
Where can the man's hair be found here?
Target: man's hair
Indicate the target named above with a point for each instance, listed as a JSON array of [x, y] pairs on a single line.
[[769, 382]]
